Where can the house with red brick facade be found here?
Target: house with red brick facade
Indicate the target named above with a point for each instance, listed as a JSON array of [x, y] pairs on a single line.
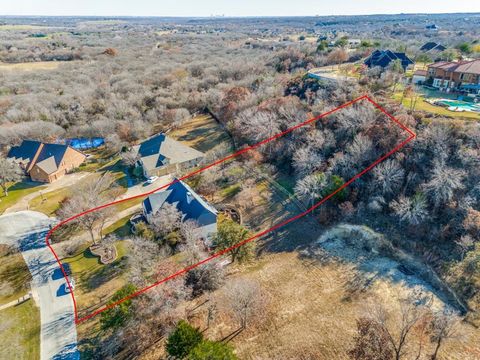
[[45, 162], [463, 76]]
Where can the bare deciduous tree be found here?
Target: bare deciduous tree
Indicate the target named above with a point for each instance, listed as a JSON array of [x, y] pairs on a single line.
[[442, 328], [167, 219], [86, 196], [9, 172], [388, 176], [411, 210], [244, 299]]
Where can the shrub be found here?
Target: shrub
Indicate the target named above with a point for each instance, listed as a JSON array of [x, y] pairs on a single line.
[[116, 316], [183, 340], [212, 350]]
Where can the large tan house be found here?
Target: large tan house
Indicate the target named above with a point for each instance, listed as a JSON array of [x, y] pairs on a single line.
[[455, 76], [161, 155], [45, 162]]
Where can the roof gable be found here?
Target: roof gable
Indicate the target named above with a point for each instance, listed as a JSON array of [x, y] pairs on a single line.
[[383, 58], [161, 150], [189, 203]]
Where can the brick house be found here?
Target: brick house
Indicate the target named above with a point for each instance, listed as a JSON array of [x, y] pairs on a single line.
[[455, 76], [45, 162], [161, 155]]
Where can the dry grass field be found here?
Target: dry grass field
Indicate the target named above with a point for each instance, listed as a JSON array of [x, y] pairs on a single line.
[[308, 309], [201, 132], [30, 66]]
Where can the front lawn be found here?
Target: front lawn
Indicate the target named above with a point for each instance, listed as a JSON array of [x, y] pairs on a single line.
[[20, 332], [14, 277], [49, 203], [95, 282], [16, 192], [121, 227]]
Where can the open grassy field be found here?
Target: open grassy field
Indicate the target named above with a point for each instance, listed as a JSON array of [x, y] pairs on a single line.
[[308, 307], [30, 66], [20, 332], [201, 132], [16, 192]]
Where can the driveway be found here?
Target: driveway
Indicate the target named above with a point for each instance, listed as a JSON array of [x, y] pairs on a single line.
[[144, 187], [65, 181], [27, 230]]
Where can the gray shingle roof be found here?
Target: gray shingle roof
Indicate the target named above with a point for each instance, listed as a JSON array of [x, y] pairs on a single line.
[[161, 150], [189, 203], [383, 58]]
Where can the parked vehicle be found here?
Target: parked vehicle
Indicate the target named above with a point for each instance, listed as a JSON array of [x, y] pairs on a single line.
[[152, 179], [72, 286]]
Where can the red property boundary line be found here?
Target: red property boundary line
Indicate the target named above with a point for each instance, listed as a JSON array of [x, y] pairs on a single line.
[[254, 237]]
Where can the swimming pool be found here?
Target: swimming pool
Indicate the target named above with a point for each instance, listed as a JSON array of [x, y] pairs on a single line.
[[457, 105]]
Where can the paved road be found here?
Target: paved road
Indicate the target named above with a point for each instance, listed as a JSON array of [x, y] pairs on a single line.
[[27, 229]]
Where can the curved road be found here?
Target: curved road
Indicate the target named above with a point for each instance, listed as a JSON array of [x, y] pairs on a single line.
[[27, 230]]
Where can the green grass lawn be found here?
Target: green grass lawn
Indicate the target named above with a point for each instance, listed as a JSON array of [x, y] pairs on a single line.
[[49, 203], [121, 228], [20, 332], [129, 203], [95, 282], [422, 105], [14, 277], [16, 192]]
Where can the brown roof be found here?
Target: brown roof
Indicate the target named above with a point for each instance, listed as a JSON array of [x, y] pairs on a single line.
[[420, 72], [471, 67]]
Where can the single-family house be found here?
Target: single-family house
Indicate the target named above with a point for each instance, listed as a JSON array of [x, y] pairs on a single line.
[[383, 59], [432, 46], [432, 27], [45, 162], [461, 76], [419, 76], [188, 203], [161, 155]]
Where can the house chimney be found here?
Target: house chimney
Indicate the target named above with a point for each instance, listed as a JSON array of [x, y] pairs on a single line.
[[189, 197]]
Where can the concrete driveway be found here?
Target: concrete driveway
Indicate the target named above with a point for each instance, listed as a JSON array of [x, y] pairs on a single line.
[[27, 230]]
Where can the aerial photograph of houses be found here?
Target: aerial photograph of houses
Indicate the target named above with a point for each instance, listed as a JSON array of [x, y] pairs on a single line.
[[258, 180]]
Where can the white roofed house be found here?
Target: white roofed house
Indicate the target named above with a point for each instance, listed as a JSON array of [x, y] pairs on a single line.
[[188, 203], [161, 155]]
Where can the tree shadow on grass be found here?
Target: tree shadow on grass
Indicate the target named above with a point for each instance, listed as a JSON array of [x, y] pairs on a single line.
[[104, 274]]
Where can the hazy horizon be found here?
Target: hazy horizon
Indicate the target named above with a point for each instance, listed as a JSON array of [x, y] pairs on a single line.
[[247, 8]]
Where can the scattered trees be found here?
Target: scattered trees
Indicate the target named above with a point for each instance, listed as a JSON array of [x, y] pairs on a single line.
[[10, 172]]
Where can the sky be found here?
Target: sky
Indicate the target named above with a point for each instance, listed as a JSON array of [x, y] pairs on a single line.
[[205, 8]]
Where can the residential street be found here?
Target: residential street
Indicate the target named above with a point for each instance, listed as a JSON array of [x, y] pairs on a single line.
[[27, 229]]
